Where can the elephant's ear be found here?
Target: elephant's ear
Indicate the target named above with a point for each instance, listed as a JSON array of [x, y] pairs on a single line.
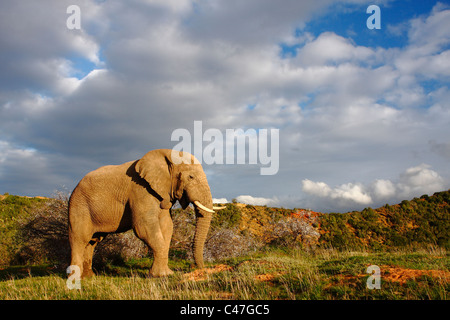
[[155, 167]]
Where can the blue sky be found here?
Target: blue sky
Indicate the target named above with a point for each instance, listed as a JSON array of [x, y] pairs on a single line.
[[81, 67], [363, 115], [350, 21]]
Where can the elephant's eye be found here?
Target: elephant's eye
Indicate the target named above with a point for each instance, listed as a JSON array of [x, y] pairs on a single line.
[[190, 177]]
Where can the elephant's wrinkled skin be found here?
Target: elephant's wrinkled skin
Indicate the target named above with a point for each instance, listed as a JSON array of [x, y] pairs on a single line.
[[138, 195]]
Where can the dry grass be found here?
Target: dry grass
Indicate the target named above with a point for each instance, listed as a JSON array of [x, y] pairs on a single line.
[[242, 264], [325, 274]]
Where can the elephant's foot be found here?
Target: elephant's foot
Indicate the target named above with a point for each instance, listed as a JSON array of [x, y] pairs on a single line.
[[87, 270], [160, 271], [87, 273]]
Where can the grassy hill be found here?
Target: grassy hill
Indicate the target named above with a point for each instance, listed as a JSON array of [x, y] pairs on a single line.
[[32, 229], [421, 221], [252, 252], [13, 210]]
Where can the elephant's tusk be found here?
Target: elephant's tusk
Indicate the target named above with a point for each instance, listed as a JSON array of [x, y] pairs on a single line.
[[218, 208], [198, 204]]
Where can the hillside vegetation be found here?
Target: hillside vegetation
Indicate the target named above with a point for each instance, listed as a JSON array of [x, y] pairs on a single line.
[[252, 252], [421, 221], [13, 209], [325, 274], [33, 230]]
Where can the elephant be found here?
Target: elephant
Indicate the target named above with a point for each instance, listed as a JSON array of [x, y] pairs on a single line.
[[139, 195]]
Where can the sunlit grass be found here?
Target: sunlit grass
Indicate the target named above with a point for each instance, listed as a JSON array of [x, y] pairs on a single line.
[[295, 274]]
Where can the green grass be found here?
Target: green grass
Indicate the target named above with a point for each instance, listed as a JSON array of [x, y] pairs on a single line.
[[293, 274], [13, 209], [385, 237]]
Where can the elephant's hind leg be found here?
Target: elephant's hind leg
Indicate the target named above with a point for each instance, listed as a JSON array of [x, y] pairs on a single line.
[[89, 253], [78, 248], [79, 237]]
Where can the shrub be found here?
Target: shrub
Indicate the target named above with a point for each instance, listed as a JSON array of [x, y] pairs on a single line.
[[183, 232], [13, 210], [229, 243], [44, 233], [224, 237], [228, 217], [292, 232], [45, 238], [119, 248], [336, 233]]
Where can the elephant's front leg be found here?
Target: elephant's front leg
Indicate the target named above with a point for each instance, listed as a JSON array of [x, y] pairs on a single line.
[[166, 224], [149, 230]]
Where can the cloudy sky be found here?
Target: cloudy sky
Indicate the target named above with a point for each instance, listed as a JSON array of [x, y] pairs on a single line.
[[363, 114]]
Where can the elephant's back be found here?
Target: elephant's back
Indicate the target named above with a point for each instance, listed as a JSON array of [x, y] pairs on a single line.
[[110, 174], [104, 183]]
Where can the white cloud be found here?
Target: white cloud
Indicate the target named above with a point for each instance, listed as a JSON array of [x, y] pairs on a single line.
[[383, 189], [424, 58], [413, 182], [331, 48], [346, 112], [428, 34], [257, 201], [351, 192], [251, 22], [320, 189], [9, 153], [220, 200], [419, 180], [26, 171], [38, 45], [348, 192]]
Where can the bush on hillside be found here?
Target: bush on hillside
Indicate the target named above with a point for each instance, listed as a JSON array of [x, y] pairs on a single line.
[[421, 221], [12, 210], [35, 231], [292, 232], [224, 240], [44, 233]]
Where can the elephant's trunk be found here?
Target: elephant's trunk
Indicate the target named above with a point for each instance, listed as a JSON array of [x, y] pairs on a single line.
[[201, 232], [201, 197]]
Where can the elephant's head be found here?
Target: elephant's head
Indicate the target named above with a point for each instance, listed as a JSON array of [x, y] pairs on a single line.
[[184, 181]]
